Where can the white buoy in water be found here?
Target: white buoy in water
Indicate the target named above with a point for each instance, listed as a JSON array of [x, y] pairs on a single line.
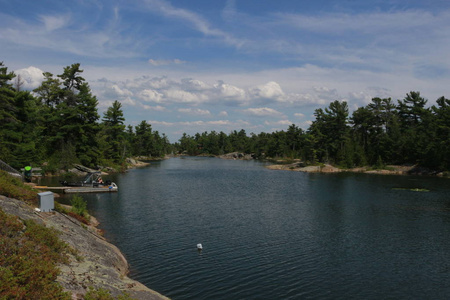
[[199, 247]]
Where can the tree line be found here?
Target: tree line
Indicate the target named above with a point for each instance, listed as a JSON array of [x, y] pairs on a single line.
[[380, 133], [59, 123]]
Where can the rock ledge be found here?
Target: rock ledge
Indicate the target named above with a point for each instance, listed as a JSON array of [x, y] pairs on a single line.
[[102, 264]]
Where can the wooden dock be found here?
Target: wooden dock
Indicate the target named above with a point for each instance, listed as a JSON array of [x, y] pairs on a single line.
[[76, 190]]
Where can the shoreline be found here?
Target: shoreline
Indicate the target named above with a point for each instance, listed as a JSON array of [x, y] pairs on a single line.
[[102, 264], [297, 165], [389, 170]]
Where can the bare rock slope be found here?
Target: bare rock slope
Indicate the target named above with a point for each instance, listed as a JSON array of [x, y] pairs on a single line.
[[97, 264]]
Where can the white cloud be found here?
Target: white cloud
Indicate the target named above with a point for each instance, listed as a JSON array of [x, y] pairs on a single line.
[[195, 21], [223, 114], [194, 85], [262, 112], [164, 62], [150, 95], [299, 115], [279, 123], [128, 101], [229, 91], [52, 23], [270, 90], [154, 108], [31, 77], [357, 99], [155, 83], [368, 23], [121, 92], [180, 96], [195, 126], [195, 112]]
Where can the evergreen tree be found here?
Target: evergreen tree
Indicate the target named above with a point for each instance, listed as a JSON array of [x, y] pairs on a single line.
[[438, 154], [7, 114], [113, 129], [415, 120], [70, 118], [330, 131], [142, 139]]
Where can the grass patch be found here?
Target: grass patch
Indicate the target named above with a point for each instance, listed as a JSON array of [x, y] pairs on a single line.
[[13, 187]]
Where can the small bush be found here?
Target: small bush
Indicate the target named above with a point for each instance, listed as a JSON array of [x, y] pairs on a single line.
[[79, 206], [79, 209]]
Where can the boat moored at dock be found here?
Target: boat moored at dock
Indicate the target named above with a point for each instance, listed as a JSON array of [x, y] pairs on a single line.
[[92, 183], [86, 189]]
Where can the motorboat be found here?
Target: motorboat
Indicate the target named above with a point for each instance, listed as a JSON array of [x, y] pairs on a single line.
[[92, 182], [92, 179]]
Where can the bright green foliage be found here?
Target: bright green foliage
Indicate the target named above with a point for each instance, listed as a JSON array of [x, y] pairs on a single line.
[[29, 254], [79, 206]]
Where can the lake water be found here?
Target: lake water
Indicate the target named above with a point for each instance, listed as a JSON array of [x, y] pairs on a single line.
[[278, 234]]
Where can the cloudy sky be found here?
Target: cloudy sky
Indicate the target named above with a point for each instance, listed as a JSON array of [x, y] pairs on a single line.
[[259, 65]]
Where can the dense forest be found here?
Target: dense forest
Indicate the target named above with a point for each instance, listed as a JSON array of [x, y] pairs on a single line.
[[58, 123], [383, 132]]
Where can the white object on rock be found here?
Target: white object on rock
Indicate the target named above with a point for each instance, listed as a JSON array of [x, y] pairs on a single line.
[[199, 246]]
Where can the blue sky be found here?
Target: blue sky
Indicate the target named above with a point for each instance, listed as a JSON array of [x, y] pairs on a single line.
[[223, 65]]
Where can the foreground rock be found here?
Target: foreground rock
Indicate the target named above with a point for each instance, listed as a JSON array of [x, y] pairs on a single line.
[[96, 264]]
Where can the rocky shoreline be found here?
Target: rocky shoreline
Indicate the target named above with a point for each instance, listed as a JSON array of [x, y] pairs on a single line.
[[97, 263], [326, 168]]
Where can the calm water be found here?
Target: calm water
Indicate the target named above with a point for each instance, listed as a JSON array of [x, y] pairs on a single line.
[[278, 234]]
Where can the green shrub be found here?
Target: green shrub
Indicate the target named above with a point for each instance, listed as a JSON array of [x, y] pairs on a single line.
[[29, 254], [79, 209], [79, 206]]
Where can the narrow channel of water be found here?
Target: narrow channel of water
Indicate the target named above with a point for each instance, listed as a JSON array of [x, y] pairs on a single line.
[[278, 234]]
